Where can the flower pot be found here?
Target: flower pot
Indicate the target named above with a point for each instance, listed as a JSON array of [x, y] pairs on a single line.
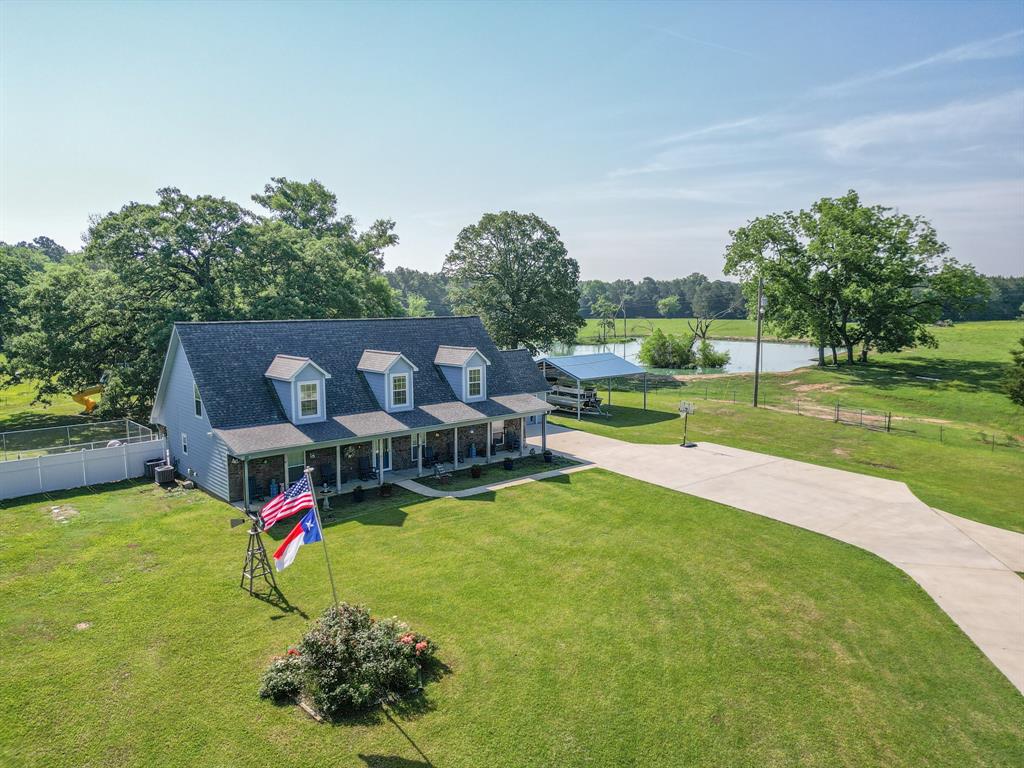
[[548, 457], [358, 494], [475, 471], [385, 490], [507, 463]]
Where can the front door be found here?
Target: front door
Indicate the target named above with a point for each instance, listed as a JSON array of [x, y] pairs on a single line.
[[384, 457]]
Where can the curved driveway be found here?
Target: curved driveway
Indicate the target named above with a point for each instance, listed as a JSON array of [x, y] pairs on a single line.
[[967, 568]]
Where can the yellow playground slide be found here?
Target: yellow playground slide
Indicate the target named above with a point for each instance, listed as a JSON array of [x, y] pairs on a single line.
[[84, 398]]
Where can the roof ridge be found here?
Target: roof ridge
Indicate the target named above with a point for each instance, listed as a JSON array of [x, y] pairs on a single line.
[[327, 320]]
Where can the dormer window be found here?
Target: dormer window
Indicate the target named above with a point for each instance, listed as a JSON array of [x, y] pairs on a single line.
[[476, 382], [309, 399], [399, 390]]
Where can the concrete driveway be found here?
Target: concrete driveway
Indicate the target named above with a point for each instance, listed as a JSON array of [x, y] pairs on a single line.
[[967, 568]]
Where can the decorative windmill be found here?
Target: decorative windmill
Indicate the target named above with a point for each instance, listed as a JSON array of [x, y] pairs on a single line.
[[257, 564]]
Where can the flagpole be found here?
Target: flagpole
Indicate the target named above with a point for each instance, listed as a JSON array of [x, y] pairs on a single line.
[[320, 525]]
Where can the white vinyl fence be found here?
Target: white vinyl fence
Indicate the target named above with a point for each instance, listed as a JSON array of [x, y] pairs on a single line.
[[60, 471]]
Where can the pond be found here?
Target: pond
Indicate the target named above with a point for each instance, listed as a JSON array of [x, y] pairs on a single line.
[[775, 356]]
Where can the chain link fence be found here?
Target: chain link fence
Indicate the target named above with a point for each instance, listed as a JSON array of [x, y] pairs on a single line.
[[27, 443]]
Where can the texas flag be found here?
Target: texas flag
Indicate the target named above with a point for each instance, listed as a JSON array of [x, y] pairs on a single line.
[[306, 532]]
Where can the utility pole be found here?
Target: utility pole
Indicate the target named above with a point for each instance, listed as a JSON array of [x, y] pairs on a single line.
[[757, 350]]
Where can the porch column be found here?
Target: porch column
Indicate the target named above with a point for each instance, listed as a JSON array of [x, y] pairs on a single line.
[[455, 458], [245, 484], [543, 432], [487, 437], [337, 469], [522, 436], [421, 441], [380, 461], [285, 457]]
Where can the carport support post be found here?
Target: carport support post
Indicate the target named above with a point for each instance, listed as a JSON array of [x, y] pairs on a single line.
[[609, 391], [245, 484], [645, 390], [579, 392]]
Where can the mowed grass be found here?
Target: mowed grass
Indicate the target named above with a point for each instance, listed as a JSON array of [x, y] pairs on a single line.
[[636, 327], [17, 410], [588, 620], [960, 478]]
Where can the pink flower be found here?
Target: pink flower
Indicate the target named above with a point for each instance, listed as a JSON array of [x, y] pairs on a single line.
[[421, 646], [293, 652], [407, 638]]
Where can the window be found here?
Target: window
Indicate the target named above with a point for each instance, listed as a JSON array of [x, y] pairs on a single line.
[[198, 401], [399, 390], [476, 382], [309, 399], [498, 430], [184, 443]]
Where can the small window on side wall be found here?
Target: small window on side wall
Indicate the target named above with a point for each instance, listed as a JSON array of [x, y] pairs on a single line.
[[399, 390], [197, 400], [184, 442], [476, 382], [309, 399]]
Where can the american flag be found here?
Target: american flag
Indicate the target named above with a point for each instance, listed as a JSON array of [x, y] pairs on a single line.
[[298, 497]]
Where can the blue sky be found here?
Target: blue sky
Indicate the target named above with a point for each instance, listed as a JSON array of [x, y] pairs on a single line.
[[644, 132]]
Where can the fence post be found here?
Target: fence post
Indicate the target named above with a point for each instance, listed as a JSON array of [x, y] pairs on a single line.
[[68, 430], [836, 419], [993, 442], [888, 422], [798, 406], [940, 433], [124, 448]]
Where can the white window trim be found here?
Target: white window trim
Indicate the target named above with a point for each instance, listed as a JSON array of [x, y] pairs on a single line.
[[391, 390], [298, 400], [197, 400], [184, 443], [482, 394]]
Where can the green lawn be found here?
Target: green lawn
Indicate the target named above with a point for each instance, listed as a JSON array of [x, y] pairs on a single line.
[[18, 412], [586, 620], [961, 478], [720, 329], [496, 473]]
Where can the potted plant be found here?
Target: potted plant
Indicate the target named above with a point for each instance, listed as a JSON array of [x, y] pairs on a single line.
[[475, 471], [507, 463], [548, 457], [358, 494], [386, 489]]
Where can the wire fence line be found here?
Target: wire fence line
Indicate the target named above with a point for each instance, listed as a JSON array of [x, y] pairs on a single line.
[[837, 411]]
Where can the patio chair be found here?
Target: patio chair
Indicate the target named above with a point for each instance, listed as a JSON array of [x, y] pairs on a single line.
[[366, 472], [327, 474], [441, 475]]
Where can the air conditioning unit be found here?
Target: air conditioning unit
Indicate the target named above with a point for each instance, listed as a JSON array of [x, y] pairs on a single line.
[[164, 474]]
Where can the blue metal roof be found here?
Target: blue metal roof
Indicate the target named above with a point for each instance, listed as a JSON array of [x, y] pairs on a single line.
[[601, 365]]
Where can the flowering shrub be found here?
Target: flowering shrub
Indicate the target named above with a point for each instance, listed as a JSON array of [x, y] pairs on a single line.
[[349, 661], [283, 678]]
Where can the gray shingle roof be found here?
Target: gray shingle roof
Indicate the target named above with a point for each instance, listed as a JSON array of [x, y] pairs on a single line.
[[447, 355], [229, 359], [285, 367], [376, 360]]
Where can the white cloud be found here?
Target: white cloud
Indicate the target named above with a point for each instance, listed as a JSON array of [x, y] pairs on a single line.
[[1001, 46], [1001, 115]]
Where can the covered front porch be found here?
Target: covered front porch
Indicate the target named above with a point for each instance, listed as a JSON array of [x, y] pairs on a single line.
[[341, 467]]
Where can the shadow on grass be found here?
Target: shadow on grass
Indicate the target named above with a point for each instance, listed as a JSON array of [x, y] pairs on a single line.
[[959, 375], [620, 416]]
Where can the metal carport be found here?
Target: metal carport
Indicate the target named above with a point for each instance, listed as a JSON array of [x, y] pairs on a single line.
[[594, 367]]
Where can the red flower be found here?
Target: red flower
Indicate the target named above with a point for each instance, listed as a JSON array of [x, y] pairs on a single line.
[[293, 652]]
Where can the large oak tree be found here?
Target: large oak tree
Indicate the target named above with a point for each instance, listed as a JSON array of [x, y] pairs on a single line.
[[513, 270]]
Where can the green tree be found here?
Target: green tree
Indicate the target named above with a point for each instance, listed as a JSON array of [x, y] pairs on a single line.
[[1013, 382], [669, 306], [18, 264], [666, 350], [513, 270], [106, 315], [605, 310], [417, 306]]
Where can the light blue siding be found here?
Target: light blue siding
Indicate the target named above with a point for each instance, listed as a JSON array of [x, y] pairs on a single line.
[[206, 461], [458, 378], [380, 385], [307, 374], [284, 394]]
